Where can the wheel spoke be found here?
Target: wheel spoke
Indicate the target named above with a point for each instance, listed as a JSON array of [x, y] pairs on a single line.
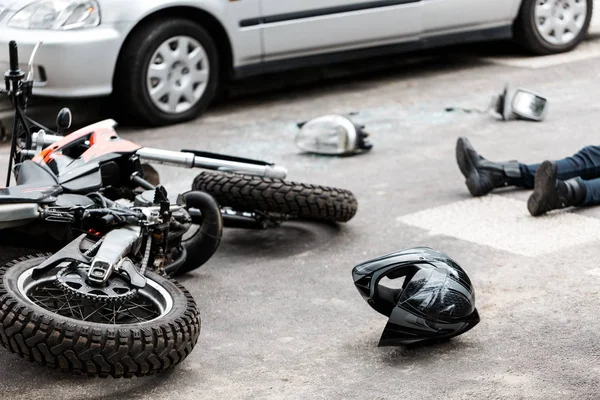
[[133, 315], [72, 309], [114, 318], [573, 26], [160, 71], [196, 56], [80, 310], [547, 28], [189, 94], [160, 91], [579, 7], [93, 313], [199, 76], [174, 98], [559, 31], [137, 306], [544, 11], [38, 301], [165, 52], [183, 44], [104, 318]]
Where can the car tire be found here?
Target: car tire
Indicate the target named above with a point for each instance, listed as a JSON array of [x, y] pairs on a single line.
[[133, 80], [532, 33]]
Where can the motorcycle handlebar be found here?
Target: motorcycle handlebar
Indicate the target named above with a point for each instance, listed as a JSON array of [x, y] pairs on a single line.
[[13, 52], [189, 160]]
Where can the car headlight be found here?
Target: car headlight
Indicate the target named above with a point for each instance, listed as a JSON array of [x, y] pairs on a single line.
[[57, 15]]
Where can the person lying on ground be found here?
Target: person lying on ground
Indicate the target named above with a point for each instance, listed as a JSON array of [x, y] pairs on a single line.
[[572, 181]]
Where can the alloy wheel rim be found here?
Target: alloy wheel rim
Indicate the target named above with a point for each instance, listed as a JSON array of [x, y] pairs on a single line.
[[178, 74], [559, 22]]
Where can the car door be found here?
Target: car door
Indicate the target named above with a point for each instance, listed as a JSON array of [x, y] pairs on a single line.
[[295, 28], [441, 16], [246, 43]]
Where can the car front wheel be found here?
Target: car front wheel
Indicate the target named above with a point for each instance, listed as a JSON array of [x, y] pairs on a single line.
[[553, 26], [168, 72]]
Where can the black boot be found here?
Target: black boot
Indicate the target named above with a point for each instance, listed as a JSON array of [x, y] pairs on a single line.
[[551, 193], [483, 175]]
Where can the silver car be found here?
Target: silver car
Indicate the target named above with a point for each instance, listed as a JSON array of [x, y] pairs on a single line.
[[164, 60]]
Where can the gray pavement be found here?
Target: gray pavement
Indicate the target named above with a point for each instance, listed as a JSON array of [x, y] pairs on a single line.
[[281, 317]]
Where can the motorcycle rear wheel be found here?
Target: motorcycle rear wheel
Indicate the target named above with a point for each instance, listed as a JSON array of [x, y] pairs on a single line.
[[45, 324], [245, 193]]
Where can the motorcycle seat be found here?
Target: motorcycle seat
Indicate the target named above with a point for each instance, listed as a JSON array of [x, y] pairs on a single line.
[[35, 184]]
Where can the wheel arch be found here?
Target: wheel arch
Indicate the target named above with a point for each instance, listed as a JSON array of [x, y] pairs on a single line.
[[515, 9], [208, 21]]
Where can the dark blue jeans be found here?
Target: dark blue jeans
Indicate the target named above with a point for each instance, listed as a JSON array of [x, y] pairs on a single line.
[[585, 166]]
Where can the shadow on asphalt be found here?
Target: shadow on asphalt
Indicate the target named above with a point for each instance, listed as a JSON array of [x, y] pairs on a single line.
[[398, 356], [307, 82], [310, 82], [292, 238], [47, 379], [403, 356]]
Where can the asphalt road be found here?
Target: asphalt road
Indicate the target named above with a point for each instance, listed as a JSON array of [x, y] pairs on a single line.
[[281, 317]]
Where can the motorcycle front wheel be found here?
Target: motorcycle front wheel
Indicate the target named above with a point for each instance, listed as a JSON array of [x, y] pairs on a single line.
[[149, 332], [245, 193]]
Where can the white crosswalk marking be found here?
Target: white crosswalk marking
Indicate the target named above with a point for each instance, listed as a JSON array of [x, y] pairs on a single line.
[[505, 224], [595, 272]]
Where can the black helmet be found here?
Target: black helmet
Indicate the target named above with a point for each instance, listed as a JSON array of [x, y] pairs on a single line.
[[436, 301]]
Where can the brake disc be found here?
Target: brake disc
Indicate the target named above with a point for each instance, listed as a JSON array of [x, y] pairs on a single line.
[[116, 290]]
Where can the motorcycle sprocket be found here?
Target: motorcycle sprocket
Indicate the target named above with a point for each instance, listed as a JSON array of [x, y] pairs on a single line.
[[73, 280]]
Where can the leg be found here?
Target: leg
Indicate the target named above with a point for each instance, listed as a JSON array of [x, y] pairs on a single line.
[[584, 164], [551, 193], [482, 176], [592, 190], [528, 174]]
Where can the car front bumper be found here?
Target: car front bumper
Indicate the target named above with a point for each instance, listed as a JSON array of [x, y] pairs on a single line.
[[77, 63]]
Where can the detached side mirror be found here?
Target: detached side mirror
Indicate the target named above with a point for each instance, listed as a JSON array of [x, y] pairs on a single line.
[[528, 105], [332, 135], [520, 104], [501, 108]]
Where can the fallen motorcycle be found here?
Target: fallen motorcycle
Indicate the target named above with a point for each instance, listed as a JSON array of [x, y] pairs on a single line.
[[103, 303]]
